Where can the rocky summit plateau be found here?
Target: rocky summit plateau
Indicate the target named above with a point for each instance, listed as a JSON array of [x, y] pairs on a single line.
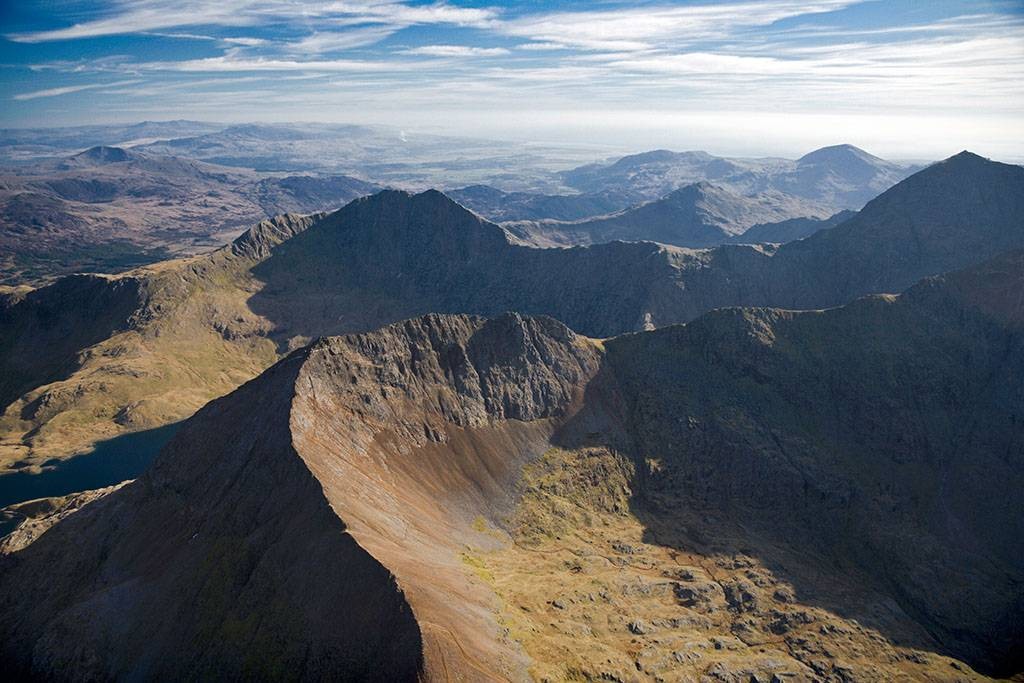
[[668, 417]]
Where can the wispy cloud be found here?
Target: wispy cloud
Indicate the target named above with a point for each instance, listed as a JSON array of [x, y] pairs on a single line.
[[138, 16], [417, 56], [320, 42], [66, 90], [455, 51], [642, 28]]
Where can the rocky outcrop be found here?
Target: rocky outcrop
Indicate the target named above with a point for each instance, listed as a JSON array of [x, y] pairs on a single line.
[[257, 242], [25, 522]]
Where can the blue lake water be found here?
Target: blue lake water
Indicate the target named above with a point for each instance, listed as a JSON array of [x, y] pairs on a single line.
[[113, 461]]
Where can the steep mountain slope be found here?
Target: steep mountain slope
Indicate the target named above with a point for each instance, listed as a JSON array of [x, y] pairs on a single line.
[[110, 208], [818, 495], [963, 209], [698, 215], [206, 324], [837, 177], [201, 326]]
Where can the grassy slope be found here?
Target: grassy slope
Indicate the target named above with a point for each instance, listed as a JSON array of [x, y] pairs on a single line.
[[193, 340], [591, 595]]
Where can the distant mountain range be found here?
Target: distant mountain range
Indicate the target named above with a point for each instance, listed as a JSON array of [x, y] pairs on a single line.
[[182, 332], [160, 189], [110, 208], [838, 177], [496, 205], [698, 215]]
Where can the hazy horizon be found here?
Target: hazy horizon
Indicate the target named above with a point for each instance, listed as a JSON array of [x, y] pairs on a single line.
[[902, 80]]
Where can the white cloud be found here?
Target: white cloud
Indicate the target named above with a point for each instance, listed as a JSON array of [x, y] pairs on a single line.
[[66, 90], [234, 63], [642, 28], [245, 42], [455, 51], [139, 16], [542, 46], [333, 41]]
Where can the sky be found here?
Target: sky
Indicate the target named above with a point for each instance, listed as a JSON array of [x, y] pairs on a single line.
[[910, 79]]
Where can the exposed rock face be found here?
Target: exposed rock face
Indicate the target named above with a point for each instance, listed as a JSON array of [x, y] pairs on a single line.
[[331, 502], [698, 215]]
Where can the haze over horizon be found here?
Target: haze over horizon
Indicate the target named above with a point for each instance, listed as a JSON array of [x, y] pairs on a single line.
[[779, 77]]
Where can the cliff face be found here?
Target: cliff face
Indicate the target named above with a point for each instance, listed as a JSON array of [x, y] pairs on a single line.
[[836, 486]]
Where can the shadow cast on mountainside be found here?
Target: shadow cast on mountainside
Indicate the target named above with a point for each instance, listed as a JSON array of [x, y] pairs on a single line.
[[43, 334], [110, 462], [809, 542]]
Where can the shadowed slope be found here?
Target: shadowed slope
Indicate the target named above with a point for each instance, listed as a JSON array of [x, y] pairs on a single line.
[[886, 435], [224, 559], [232, 555]]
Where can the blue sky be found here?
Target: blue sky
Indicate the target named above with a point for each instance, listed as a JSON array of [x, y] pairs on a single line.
[[904, 78]]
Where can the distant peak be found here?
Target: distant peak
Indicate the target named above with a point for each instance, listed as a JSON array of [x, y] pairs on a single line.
[[965, 164], [654, 156], [966, 157], [104, 155], [838, 153], [701, 187]]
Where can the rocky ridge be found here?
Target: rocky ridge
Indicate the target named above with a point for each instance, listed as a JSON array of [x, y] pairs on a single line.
[[387, 461], [224, 317]]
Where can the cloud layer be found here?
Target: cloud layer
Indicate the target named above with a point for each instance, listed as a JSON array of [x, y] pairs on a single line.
[[767, 56]]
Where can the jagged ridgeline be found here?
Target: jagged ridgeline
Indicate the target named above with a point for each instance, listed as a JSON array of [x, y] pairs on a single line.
[[92, 357], [821, 495]]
